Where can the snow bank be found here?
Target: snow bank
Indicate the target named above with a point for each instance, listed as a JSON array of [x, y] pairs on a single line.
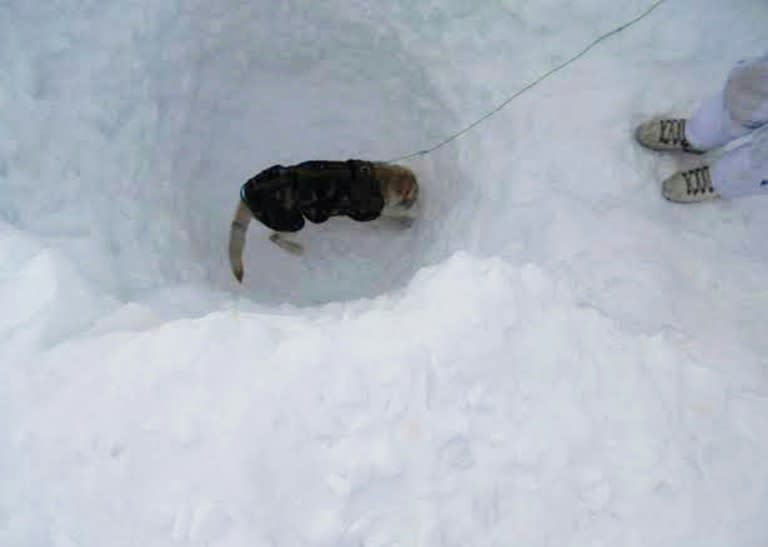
[[411, 419]]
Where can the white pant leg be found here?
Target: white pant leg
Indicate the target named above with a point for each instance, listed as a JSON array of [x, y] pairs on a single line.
[[744, 170], [711, 127], [739, 108], [746, 93]]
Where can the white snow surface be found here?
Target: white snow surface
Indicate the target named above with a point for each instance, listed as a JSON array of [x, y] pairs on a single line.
[[551, 356]]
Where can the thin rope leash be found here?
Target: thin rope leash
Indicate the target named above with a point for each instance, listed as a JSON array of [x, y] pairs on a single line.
[[533, 84]]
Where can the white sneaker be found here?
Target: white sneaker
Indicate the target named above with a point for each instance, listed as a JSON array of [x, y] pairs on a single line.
[[666, 135], [691, 186]]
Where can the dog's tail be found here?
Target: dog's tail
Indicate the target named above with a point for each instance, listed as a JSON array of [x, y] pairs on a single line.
[[237, 239]]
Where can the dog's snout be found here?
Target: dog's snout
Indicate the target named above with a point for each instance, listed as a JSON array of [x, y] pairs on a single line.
[[411, 195]]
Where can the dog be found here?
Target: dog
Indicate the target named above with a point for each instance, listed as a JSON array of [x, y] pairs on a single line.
[[282, 198]]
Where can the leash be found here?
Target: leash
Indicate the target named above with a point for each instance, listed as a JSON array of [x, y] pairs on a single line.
[[531, 85]]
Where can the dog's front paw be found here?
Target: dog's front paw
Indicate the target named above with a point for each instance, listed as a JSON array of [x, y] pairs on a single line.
[[406, 222], [399, 223], [287, 245], [292, 247]]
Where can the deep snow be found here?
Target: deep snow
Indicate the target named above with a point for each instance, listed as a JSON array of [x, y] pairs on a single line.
[[551, 356]]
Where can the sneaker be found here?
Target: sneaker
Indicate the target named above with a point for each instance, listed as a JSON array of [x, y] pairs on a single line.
[[665, 134], [691, 186]]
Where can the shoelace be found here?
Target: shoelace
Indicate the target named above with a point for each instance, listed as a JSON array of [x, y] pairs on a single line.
[[698, 181], [673, 132]]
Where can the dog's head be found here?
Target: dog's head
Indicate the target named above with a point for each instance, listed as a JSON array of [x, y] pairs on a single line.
[[399, 188]]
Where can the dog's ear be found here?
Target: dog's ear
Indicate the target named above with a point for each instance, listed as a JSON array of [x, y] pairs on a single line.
[[237, 233]]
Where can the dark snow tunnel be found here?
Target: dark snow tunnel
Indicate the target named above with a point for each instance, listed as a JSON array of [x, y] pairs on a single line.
[[153, 122], [231, 102]]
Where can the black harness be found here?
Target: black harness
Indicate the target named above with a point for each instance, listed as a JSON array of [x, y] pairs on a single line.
[[282, 197]]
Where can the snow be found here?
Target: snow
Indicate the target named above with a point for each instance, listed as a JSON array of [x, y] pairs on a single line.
[[552, 355]]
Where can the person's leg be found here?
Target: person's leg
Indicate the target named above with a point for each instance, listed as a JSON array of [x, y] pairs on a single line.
[[746, 93], [741, 107], [744, 170], [738, 108], [711, 126]]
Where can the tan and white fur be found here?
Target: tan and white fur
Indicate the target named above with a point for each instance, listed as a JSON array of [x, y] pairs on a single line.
[[400, 191]]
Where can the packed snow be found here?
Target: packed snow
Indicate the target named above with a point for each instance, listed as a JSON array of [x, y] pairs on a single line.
[[551, 356]]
